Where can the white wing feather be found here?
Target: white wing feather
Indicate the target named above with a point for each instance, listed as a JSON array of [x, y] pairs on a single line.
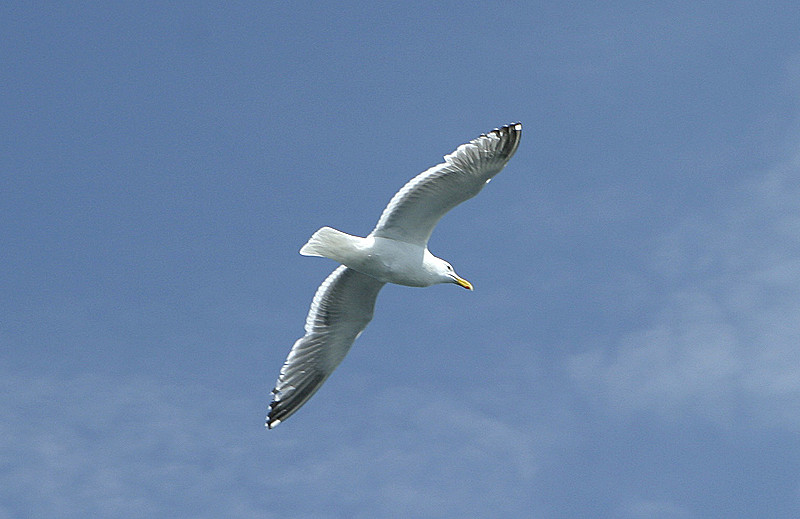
[[416, 209], [341, 309]]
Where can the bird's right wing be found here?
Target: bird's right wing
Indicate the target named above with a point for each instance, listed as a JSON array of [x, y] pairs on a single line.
[[341, 309]]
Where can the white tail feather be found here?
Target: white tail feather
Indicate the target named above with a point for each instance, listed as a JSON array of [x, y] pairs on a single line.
[[329, 243]]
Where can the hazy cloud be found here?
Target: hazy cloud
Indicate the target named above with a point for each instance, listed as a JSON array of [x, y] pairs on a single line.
[[97, 446], [724, 343]]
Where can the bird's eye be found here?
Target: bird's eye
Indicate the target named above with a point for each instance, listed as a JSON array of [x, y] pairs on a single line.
[[449, 267]]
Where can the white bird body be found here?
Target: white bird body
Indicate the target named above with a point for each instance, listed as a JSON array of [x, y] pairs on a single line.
[[385, 259], [396, 251]]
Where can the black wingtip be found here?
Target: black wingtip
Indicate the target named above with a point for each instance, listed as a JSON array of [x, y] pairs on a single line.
[[285, 405], [508, 128], [276, 412], [271, 420], [510, 135], [275, 416]]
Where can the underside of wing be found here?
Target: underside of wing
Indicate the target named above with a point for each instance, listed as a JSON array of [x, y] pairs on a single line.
[[341, 309], [416, 209]]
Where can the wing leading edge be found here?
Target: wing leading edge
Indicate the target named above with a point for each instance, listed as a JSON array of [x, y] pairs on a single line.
[[415, 210]]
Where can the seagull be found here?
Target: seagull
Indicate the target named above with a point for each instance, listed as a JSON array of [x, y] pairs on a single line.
[[396, 251]]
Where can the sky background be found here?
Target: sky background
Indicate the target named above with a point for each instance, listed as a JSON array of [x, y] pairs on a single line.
[[631, 350]]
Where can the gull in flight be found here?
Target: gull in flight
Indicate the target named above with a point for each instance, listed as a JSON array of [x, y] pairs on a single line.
[[396, 251]]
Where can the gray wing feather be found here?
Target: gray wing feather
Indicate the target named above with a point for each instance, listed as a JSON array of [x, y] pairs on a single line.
[[341, 309], [416, 209]]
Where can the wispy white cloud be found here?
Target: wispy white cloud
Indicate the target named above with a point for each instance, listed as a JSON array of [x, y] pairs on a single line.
[[724, 344], [426, 455], [136, 447], [98, 447]]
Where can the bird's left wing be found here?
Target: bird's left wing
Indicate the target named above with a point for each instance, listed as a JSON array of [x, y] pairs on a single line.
[[341, 309], [416, 209]]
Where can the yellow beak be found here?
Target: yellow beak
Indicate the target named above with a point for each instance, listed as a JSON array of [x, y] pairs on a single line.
[[463, 282]]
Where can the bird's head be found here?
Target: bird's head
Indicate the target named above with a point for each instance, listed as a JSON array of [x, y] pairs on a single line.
[[447, 274]]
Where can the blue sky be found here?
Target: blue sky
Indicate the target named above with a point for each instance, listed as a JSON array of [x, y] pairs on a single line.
[[631, 350]]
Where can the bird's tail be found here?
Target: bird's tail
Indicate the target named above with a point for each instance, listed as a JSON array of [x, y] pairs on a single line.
[[329, 243]]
